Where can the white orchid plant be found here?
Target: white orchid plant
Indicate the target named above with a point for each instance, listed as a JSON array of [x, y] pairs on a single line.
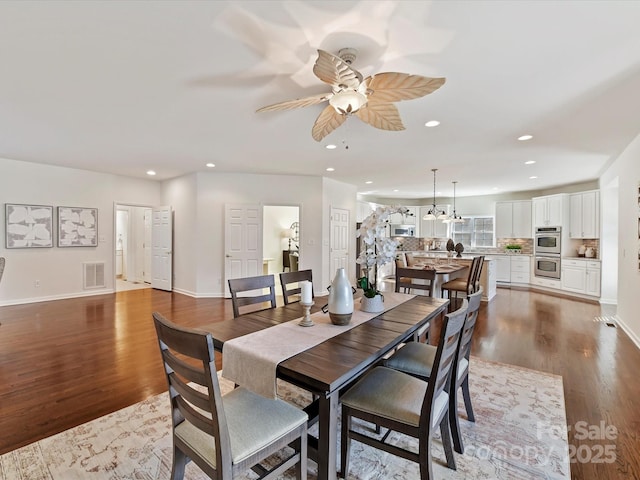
[[379, 249]]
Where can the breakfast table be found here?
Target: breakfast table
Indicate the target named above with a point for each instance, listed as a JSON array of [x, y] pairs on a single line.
[[330, 366]]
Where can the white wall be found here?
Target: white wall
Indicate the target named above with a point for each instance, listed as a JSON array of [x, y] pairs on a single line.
[[609, 216], [627, 170], [339, 195], [182, 194], [204, 231], [59, 270]]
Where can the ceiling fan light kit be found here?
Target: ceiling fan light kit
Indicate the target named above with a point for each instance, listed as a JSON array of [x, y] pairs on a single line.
[[370, 99]]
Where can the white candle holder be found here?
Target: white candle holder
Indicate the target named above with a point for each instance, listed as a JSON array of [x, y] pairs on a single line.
[[306, 320]]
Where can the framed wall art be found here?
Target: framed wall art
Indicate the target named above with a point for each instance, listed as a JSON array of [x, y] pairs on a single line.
[[28, 226], [77, 227]]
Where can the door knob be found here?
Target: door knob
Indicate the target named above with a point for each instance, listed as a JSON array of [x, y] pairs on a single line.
[[228, 256]]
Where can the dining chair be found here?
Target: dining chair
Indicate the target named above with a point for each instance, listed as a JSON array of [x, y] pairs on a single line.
[[417, 359], [403, 403], [409, 260], [415, 279], [464, 285], [225, 435], [252, 285], [290, 278]]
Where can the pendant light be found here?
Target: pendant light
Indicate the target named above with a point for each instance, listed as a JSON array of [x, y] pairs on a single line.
[[454, 218], [433, 212]]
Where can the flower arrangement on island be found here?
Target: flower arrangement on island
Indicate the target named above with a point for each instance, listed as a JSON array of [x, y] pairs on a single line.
[[379, 248]]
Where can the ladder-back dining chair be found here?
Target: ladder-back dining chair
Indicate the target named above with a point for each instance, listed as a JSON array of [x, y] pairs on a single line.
[[225, 435], [466, 286], [417, 359], [403, 403], [288, 279], [410, 279], [253, 286]]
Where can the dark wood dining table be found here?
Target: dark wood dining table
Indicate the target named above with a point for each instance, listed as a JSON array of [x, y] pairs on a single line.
[[329, 367]]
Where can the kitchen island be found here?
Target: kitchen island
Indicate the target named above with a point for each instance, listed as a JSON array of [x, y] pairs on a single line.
[[487, 277]]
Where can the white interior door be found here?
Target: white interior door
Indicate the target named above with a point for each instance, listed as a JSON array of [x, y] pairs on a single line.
[[242, 242], [162, 249], [339, 238]]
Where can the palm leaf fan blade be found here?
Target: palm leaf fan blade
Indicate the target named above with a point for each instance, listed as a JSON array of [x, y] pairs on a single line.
[[393, 86], [384, 116], [327, 122], [298, 103], [334, 71]]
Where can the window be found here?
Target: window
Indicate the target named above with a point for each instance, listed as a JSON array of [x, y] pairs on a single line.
[[474, 232]]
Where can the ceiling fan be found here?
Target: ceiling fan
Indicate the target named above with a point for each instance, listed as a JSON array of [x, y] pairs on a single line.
[[369, 99]]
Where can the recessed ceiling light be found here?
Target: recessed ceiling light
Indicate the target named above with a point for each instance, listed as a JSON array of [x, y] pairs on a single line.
[[525, 137], [211, 165], [331, 146], [529, 162], [533, 177], [396, 190], [331, 169], [496, 188], [151, 172], [368, 182], [432, 123]]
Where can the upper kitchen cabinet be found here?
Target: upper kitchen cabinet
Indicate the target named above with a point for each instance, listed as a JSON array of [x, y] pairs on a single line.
[[585, 214], [513, 219], [400, 219], [433, 228], [551, 210], [364, 210]]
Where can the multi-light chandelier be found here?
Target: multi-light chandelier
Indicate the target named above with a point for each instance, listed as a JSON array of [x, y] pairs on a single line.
[[433, 212]]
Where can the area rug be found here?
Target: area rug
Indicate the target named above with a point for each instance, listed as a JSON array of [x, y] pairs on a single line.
[[519, 433]]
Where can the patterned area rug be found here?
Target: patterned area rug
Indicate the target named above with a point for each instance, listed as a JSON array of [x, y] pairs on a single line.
[[519, 433]]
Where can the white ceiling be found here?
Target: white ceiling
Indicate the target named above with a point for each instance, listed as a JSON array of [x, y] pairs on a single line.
[[123, 87]]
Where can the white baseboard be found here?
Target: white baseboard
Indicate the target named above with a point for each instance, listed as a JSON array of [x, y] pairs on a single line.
[[22, 301], [634, 338], [198, 295]]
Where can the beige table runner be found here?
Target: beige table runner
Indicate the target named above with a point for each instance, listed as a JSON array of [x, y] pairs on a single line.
[[251, 360]]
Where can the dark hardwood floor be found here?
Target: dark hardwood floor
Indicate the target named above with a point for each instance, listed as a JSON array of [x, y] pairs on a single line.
[[66, 362]]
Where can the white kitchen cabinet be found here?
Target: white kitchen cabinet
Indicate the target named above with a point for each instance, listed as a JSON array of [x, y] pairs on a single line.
[[551, 210], [410, 219], [574, 275], [400, 219], [433, 228], [592, 283], [513, 219], [364, 209], [546, 282], [581, 276], [584, 214], [503, 268], [520, 269]]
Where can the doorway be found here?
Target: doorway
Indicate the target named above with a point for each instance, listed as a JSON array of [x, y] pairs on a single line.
[[133, 247], [280, 238]]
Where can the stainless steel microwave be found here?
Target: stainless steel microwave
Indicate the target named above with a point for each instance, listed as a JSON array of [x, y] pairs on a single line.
[[403, 231]]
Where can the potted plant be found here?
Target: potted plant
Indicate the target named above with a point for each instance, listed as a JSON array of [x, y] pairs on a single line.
[[378, 251], [513, 248]]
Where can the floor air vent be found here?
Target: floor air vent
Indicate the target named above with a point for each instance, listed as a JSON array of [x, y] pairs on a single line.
[[608, 320], [93, 275]]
